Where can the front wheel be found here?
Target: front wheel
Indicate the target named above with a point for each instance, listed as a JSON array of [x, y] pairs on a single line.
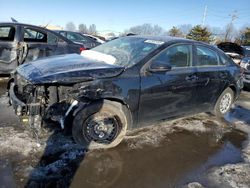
[[100, 125], [224, 102]]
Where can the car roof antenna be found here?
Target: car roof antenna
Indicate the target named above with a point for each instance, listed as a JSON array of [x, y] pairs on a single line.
[[46, 25], [13, 20]]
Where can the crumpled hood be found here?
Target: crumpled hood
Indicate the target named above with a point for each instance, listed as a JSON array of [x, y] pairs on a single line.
[[67, 69]]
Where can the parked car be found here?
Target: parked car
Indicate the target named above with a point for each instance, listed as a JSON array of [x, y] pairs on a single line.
[[124, 84], [79, 38], [245, 63], [21, 43], [96, 38]]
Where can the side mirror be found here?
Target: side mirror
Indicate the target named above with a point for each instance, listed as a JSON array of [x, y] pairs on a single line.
[[159, 66]]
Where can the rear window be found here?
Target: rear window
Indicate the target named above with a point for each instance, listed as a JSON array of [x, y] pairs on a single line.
[[206, 56], [31, 35], [7, 33], [225, 60]]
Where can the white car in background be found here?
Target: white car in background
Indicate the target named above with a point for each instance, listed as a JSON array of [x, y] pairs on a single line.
[[95, 38]]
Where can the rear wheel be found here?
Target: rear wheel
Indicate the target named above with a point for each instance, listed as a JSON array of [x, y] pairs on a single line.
[[224, 102], [100, 125]]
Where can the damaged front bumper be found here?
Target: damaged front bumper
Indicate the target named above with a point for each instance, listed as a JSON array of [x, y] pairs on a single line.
[[28, 113], [17, 104]]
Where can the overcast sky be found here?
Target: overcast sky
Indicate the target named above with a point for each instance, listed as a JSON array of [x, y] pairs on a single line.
[[114, 15]]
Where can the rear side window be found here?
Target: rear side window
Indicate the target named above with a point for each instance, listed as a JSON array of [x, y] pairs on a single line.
[[77, 37], [31, 35], [7, 33], [63, 33], [175, 56], [225, 60], [52, 39], [206, 56]]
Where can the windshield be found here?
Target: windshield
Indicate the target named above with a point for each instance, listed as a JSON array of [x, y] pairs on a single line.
[[128, 51]]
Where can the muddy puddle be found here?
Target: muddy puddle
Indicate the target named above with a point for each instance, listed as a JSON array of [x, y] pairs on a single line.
[[182, 157], [179, 158]]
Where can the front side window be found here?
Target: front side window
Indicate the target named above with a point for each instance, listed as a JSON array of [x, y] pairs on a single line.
[[206, 56], [7, 33], [31, 35], [175, 56]]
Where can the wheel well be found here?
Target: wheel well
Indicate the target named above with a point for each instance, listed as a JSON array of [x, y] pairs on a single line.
[[126, 110], [9, 82], [116, 100], [234, 90]]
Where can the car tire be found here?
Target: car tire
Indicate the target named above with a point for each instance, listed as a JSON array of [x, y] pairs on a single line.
[[224, 103], [100, 125]]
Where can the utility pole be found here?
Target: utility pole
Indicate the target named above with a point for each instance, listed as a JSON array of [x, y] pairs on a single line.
[[230, 26], [204, 16]]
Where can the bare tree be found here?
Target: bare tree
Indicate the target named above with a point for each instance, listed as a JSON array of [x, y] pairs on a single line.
[[70, 26], [145, 29], [92, 29], [82, 28], [185, 28]]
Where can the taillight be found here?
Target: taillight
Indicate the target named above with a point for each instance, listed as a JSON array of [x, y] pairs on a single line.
[[82, 49]]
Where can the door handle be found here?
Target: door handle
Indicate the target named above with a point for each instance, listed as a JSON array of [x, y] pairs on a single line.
[[191, 78]]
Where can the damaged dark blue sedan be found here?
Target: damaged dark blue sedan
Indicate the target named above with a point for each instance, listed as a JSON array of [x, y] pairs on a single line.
[[126, 83]]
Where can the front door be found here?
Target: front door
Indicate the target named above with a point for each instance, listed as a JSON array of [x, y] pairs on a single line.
[[166, 94]]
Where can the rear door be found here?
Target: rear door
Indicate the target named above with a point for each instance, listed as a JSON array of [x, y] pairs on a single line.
[[39, 43], [171, 93], [209, 74], [8, 48]]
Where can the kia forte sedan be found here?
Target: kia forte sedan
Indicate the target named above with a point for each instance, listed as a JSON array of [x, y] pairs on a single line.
[[124, 84]]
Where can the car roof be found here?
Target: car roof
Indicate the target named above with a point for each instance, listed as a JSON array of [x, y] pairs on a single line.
[[159, 38], [38, 27], [168, 39]]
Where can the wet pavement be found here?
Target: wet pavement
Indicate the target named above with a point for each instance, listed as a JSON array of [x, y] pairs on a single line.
[[180, 158], [171, 154]]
